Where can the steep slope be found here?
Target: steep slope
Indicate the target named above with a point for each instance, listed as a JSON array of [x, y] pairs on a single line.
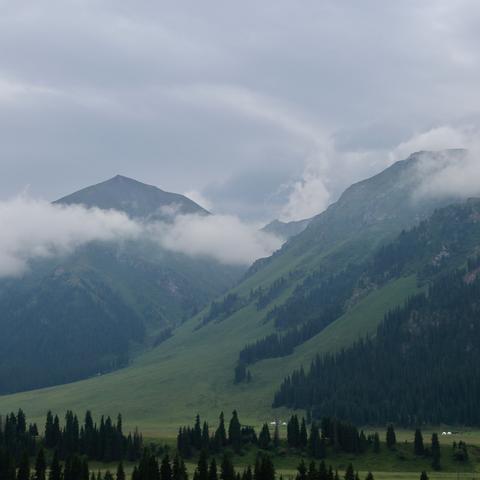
[[83, 313], [193, 371]]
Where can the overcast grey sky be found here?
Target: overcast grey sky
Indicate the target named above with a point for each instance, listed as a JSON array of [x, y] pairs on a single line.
[[261, 108]]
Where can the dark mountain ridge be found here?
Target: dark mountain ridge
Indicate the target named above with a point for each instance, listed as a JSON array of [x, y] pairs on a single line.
[[138, 200]]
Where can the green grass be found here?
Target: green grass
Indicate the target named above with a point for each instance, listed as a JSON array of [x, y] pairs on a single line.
[[193, 371]]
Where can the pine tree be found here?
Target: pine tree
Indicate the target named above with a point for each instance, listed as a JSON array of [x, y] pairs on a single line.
[[220, 433], [197, 433], [312, 473], [264, 439], [165, 468], [264, 469], [302, 471], [418, 447], [303, 438], [108, 475], [202, 466], [316, 445], [376, 443], [293, 432], [369, 476], [391, 438], [55, 472], [120, 472], [205, 437], [435, 449], [247, 473], [24, 468], [212, 471], [423, 475], [40, 465], [323, 474], [49, 435], [276, 436], [350, 473], [234, 432], [227, 471]]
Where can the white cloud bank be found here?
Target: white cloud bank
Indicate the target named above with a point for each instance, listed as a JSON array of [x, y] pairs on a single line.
[[224, 238], [451, 174], [33, 229], [37, 229]]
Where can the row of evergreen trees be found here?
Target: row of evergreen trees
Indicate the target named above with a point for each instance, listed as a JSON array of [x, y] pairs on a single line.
[[198, 438], [103, 442], [15, 437], [417, 369]]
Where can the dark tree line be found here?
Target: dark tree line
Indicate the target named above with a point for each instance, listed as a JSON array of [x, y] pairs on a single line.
[[320, 471], [264, 296], [418, 368], [219, 310], [103, 442], [16, 437], [199, 438], [282, 344]]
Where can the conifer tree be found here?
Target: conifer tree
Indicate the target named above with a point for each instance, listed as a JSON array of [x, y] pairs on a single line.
[[234, 432], [276, 436], [55, 472], [120, 472], [376, 442], [302, 471], [205, 437], [369, 476], [179, 470], [312, 473], [247, 473], [264, 437], [197, 433], [212, 471], [264, 469], [40, 466], [303, 438], [418, 447], [220, 433], [165, 468], [350, 473], [24, 468], [227, 472], [202, 466], [435, 449], [391, 439], [322, 471], [423, 475]]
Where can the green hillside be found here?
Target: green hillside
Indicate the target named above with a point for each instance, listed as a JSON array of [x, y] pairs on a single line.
[[193, 371]]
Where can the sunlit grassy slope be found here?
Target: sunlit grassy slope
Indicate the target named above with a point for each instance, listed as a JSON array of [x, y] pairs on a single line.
[[192, 372]]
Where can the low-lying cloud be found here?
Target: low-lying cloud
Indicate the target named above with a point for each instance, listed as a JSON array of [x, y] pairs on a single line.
[[224, 238], [451, 165], [33, 229], [38, 229]]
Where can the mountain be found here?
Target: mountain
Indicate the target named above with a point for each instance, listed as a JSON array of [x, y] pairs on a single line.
[[326, 288], [286, 230], [78, 315], [136, 199]]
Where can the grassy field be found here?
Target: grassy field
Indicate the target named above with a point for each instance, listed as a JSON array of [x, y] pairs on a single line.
[[193, 372]]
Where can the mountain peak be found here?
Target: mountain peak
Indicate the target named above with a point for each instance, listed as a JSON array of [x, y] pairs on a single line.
[[136, 199]]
